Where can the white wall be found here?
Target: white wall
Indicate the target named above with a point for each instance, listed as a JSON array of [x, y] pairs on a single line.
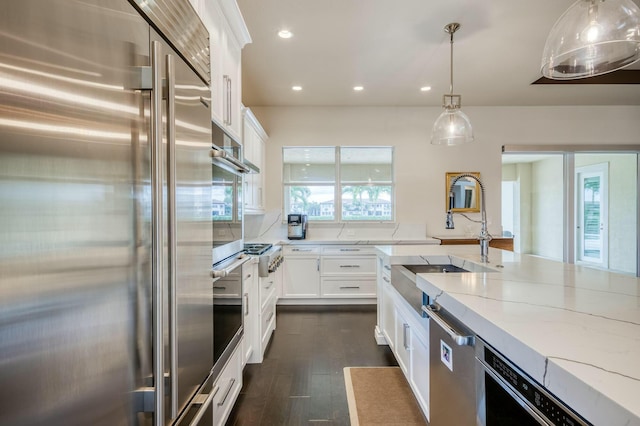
[[547, 208], [419, 166]]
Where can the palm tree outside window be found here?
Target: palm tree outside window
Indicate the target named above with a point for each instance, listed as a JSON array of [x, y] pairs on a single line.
[[339, 183]]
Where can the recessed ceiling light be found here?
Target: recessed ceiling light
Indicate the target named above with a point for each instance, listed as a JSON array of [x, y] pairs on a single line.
[[425, 88], [296, 88], [285, 34], [358, 88]]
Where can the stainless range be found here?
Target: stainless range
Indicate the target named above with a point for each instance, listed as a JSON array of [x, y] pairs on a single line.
[[269, 257]]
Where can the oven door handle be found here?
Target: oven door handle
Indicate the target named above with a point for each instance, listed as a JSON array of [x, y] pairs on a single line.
[[222, 155], [225, 272], [513, 394]]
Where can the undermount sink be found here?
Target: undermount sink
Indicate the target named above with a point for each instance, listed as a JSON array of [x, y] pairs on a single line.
[[429, 269]]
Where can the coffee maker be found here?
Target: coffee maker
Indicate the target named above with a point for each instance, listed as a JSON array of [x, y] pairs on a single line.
[[297, 226]]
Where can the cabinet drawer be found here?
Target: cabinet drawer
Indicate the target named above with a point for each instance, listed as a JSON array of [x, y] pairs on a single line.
[[227, 287], [267, 289], [349, 250], [301, 250], [268, 321], [348, 265], [227, 388], [348, 288]]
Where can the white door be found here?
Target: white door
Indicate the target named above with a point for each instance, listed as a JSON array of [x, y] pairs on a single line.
[[592, 187]]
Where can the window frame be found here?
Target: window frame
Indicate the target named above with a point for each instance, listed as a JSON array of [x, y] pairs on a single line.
[[338, 185]]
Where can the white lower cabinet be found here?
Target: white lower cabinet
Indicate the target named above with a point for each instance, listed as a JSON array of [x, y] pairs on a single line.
[[227, 388], [251, 295], [301, 272], [330, 274], [388, 313], [407, 334], [261, 319]]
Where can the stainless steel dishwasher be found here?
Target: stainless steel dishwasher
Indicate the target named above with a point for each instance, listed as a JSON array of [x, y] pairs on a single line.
[[451, 369]]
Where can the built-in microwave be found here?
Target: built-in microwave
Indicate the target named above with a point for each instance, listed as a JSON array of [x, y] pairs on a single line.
[[227, 198]]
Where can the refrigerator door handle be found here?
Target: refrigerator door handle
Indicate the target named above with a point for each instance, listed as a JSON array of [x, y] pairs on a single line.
[[156, 231], [172, 246]]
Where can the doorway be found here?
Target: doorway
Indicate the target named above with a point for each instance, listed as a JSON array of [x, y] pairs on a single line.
[[592, 222]]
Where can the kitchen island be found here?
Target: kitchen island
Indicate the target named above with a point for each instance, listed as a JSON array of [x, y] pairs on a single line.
[[573, 329]]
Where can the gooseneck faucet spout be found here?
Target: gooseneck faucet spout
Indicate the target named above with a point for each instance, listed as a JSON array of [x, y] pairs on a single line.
[[484, 236]]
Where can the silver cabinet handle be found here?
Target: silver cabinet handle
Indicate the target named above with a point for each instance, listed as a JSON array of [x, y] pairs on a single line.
[[225, 80], [219, 287], [318, 264], [460, 339], [387, 267], [246, 304], [270, 316], [349, 287], [349, 249], [404, 336], [226, 394], [349, 266], [301, 250], [230, 92], [386, 279]]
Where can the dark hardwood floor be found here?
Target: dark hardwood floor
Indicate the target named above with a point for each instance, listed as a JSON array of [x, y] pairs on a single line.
[[301, 380]]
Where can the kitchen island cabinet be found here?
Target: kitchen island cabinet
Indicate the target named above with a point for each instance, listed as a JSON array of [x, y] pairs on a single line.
[[571, 328]]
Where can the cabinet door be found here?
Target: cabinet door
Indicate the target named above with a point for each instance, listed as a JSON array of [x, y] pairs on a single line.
[[251, 308], [419, 371], [232, 117], [403, 342], [388, 312], [301, 277]]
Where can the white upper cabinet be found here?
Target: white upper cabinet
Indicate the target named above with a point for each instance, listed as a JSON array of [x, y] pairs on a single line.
[[254, 139], [228, 34]]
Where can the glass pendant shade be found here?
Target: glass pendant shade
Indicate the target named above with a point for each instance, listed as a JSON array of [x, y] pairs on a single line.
[[452, 128], [592, 37]]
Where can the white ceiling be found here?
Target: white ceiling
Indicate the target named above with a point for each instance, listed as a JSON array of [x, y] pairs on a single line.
[[393, 48]]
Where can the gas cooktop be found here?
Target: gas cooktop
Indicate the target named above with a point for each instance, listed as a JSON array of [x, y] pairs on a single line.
[[256, 249]]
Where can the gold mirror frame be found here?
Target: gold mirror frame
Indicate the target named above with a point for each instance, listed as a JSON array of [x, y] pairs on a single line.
[[472, 198]]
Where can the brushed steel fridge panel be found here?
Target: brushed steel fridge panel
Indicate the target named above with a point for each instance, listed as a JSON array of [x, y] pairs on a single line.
[[189, 336], [73, 256]]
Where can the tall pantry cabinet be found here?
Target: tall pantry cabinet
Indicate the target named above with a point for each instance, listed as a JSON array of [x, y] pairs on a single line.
[[228, 34]]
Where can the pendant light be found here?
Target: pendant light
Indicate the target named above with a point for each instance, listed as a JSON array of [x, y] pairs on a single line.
[[452, 126], [592, 37]]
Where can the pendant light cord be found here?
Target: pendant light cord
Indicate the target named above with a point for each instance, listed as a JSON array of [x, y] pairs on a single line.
[[451, 65]]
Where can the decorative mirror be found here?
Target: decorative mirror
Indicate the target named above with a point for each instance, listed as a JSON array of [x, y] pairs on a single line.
[[466, 192]]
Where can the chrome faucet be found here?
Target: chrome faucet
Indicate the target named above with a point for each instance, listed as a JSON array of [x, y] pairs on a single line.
[[484, 236]]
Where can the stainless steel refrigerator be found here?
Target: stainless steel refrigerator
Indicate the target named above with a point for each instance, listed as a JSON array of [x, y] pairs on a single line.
[[106, 306]]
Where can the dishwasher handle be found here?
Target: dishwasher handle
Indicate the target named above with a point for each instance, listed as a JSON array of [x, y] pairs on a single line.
[[459, 339]]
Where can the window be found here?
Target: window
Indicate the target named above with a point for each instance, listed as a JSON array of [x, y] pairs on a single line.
[[339, 183]]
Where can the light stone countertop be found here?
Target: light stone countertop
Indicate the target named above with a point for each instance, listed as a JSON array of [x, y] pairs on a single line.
[[430, 241], [576, 330]]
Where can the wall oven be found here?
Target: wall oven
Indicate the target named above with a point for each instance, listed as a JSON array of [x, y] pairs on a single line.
[[228, 308], [226, 199], [227, 251], [505, 395]]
